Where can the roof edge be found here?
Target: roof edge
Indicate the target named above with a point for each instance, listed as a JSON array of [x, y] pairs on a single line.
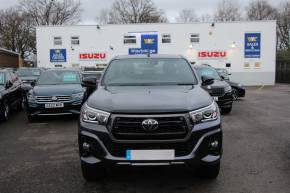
[[9, 51]]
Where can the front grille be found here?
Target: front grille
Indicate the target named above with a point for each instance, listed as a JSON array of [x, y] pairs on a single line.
[[45, 99], [130, 128], [180, 148], [217, 92]]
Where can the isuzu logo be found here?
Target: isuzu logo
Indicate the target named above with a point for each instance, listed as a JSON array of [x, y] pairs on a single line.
[[212, 54], [150, 125], [93, 56]]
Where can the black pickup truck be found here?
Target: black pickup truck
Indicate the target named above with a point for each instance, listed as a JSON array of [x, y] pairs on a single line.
[[150, 111], [220, 90]]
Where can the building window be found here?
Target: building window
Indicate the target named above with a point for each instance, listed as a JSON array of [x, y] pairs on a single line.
[[130, 39], [75, 40], [194, 38], [166, 38], [75, 65], [57, 41]]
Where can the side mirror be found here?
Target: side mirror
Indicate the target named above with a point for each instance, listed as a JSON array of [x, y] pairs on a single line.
[[225, 78], [207, 80], [33, 84], [90, 82], [8, 84]]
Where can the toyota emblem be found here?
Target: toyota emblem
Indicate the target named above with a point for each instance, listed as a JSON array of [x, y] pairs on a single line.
[[150, 125]]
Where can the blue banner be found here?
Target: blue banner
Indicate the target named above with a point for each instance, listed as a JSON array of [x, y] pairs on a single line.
[[252, 45], [57, 55], [149, 43]]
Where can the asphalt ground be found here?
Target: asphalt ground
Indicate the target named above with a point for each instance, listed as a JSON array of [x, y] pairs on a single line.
[[42, 157]]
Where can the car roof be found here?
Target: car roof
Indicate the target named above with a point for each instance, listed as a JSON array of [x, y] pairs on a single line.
[[63, 69], [202, 66], [92, 72], [3, 70], [28, 68], [146, 56]]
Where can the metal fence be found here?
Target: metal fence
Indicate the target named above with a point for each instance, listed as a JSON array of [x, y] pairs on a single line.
[[283, 71]]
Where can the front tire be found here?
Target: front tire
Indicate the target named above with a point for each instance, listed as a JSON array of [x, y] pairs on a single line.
[[235, 95], [92, 172], [4, 116], [226, 110], [31, 118], [209, 171]]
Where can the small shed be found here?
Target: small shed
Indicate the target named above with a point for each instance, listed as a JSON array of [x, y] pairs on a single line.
[[9, 59]]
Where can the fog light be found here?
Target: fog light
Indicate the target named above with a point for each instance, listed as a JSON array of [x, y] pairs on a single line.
[[86, 146], [214, 144]]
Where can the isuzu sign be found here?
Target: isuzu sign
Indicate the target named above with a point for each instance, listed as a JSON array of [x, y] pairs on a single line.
[[212, 54], [93, 56]]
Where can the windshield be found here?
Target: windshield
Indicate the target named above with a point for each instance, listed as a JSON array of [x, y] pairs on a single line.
[[59, 77], [28, 72], [2, 78], [148, 71], [209, 72]]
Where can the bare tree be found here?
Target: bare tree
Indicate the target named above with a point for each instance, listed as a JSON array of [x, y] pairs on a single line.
[[283, 26], [261, 10], [228, 10], [133, 11], [187, 16], [52, 12], [206, 18], [17, 32], [103, 16]]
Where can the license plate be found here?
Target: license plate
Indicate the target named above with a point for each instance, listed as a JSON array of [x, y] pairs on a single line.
[[53, 105], [167, 154], [216, 98]]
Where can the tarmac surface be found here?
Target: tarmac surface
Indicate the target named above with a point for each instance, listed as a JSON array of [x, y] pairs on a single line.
[[42, 157]]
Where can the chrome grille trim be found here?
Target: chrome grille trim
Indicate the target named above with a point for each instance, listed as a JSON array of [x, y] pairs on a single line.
[[47, 99]]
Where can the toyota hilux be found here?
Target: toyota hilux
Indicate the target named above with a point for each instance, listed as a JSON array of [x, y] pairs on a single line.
[[149, 110]]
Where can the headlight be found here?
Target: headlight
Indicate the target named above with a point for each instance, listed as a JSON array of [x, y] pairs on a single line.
[[78, 95], [240, 85], [228, 89], [91, 115], [209, 113], [30, 97]]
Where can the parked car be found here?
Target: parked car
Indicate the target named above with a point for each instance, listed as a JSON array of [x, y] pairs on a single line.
[[149, 111], [224, 73], [220, 90], [10, 93], [29, 75], [12, 70], [57, 92], [239, 90]]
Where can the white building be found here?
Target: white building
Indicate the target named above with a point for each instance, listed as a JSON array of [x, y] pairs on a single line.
[[246, 49]]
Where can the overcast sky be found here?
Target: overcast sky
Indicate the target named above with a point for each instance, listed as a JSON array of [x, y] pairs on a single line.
[[171, 7]]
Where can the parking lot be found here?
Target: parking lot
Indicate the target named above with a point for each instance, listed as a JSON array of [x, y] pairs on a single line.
[[43, 156]]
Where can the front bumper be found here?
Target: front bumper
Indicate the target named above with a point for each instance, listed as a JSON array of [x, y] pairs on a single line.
[[225, 101], [38, 109], [105, 150]]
